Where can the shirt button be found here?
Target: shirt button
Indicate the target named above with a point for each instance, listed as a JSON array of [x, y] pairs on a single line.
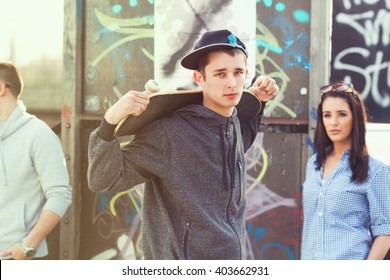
[[320, 214], [321, 193]]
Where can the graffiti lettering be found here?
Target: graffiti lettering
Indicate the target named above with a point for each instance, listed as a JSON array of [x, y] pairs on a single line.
[[361, 38], [370, 26], [348, 5], [371, 73]]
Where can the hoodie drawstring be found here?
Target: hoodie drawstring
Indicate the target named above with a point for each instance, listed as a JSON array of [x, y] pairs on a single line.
[[2, 167]]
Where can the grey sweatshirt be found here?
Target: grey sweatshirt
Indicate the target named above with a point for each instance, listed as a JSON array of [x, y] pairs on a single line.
[[33, 177], [193, 165]]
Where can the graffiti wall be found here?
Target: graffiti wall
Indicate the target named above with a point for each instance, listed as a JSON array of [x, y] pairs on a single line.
[[118, 50], [283, 42], [179, 24], [119, 55], [129, 42], [275, 160], [360, 52]]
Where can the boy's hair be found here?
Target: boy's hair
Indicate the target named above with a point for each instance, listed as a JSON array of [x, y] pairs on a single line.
[[11, 76], [205, 59]]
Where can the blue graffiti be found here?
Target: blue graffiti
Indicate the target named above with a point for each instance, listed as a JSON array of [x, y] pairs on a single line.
[[290, 253], [104, 200], [313, 113], [261, 43], [301, 16], [280, 7], [130, 217], [117, 8], [259, 234], [310, 144], [295, 44], [133, 3], [268, 3]]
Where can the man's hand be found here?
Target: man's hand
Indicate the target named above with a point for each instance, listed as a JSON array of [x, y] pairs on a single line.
[[132, 103], [14, 252], [264, 88]]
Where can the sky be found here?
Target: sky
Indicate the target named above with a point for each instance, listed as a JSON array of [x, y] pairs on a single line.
[[32, 28]]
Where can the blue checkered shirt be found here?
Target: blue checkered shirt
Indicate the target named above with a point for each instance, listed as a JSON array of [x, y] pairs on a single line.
[[338, 212]]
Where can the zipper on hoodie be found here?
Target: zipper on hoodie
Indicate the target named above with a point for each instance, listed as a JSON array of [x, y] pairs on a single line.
[[186, 235], [230, 158], [240, 190], [231, 225]]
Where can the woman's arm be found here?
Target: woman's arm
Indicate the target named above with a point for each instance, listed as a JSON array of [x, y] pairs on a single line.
[[379, 248]]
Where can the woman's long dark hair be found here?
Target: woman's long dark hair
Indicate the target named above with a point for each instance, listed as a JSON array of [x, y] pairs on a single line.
[[358, 159]]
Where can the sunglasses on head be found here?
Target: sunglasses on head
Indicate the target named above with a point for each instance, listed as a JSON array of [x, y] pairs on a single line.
[[339, 87]]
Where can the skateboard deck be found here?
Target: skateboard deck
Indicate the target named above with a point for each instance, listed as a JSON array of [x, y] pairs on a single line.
[[162, 104]]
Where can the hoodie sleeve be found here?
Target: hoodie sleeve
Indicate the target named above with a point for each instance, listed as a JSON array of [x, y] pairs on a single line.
[[49, 162], [112, 168], [250, 128]]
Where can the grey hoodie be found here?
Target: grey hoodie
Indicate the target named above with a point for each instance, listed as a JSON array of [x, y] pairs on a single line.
[[33, 176], [194, 167]]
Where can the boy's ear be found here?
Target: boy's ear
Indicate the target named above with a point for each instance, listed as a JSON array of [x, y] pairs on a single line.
[[2, 88], [198, 78]]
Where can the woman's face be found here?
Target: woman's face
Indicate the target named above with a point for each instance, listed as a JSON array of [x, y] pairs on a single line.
[[337, 118]]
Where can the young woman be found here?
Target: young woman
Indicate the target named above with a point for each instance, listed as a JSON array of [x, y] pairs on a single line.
[[346, 192]]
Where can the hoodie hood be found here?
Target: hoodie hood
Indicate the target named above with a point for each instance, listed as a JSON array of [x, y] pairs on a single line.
[[16, 120], [214, 120]]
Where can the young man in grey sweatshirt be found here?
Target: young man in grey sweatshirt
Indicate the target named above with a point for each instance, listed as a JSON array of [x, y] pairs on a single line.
[[192, 162], [34, 182]]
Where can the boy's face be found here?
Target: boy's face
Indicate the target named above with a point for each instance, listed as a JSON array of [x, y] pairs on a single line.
[[224, 81]]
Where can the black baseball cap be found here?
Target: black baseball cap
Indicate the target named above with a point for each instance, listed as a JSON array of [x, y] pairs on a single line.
[[211, 41]]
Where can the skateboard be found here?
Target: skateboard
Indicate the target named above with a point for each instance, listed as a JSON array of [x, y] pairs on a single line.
[[162, 104]]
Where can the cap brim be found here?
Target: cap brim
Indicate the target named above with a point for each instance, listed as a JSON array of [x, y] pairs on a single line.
[[162, 105], [191, 60]]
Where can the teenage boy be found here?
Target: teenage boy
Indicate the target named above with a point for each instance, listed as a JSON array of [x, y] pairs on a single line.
[[192, 162]]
